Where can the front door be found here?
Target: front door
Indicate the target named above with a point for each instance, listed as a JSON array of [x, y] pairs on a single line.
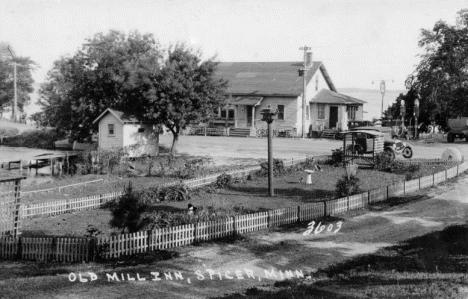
[[249, 115], [333, 117]]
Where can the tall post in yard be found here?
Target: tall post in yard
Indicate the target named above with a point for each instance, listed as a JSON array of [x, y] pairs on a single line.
[[271, 191], [303, 73], [268, 116], [416, 115]]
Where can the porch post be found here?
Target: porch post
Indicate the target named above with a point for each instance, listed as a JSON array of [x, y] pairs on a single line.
[[253, 117]]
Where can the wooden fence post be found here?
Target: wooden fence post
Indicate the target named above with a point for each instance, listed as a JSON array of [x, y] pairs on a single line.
[[298, 214], [92, 248], [53, 254], [234, 225], [19, 250], [148, 240]]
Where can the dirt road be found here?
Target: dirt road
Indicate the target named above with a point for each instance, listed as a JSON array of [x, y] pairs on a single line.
[[231, 150]]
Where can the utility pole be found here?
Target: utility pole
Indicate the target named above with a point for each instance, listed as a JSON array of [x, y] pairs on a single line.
[[303, 73], [15, 106]]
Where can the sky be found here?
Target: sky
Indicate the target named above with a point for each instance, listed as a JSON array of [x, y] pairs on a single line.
[[360, 42]]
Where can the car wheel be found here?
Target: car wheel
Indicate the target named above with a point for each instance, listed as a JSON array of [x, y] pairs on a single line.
[[450, 138], [390, 153], [407, 152]]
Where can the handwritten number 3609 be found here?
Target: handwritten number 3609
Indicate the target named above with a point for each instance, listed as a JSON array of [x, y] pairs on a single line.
[[320, 228]]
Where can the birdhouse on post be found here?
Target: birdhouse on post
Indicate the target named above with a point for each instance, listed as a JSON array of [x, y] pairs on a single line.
[[269, 114]]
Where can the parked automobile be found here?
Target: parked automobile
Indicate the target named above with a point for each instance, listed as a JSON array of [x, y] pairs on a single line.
[[358, 123], [393, 147]]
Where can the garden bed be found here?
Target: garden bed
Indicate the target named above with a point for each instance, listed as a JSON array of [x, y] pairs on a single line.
[[242, 196]]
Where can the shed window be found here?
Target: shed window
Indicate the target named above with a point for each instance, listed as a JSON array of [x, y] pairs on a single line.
[[141, 130], [281, 112], [111, 129], [321, 111]]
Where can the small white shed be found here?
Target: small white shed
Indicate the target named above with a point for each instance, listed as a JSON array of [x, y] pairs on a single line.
[[116, 131]]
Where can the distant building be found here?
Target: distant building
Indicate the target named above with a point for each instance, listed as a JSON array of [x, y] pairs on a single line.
[[254, 86], [116, 130]]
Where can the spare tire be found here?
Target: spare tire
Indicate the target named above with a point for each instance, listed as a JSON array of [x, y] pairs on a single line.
[[452, 154]]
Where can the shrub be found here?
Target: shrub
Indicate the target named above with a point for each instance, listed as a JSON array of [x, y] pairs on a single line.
[[336, 157], [192, 168], [347, 186], [223, 180], [178, 192], [382, 161], [102, 160], [278, 167], [8, 131], [128, 210], [34, 139], [409, 170]]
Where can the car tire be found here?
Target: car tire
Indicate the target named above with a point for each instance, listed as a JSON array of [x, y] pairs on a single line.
[[407, 152], [391, 153], [450, 138]]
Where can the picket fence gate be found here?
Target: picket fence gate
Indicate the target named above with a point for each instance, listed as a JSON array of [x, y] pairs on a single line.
[[72, 249]]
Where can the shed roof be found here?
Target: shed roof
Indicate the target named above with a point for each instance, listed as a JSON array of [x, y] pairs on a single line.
[[119, 115], [326, 96], [268, 78]]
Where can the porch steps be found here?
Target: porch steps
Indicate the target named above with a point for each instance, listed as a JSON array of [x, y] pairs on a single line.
[[330, 134], [239, 132]]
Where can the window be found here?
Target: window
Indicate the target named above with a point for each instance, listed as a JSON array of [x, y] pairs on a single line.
[[111, 129], [316, 83], [352, 112], [141, 130], [307, 112], [321, 111], [229, 113], [281, 112]]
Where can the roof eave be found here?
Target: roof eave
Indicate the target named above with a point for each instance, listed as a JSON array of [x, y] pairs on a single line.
[[105, 112]]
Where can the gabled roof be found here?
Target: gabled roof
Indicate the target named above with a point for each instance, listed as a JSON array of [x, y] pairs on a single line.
[[118, 114], [268, 78], [326, 96]]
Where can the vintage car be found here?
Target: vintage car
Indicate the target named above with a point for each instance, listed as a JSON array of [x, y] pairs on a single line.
[[392, 147]]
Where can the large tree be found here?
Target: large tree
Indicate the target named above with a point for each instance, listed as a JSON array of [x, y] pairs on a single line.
[[441, 78], [24, 80], [186, 91], [111, 70]]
